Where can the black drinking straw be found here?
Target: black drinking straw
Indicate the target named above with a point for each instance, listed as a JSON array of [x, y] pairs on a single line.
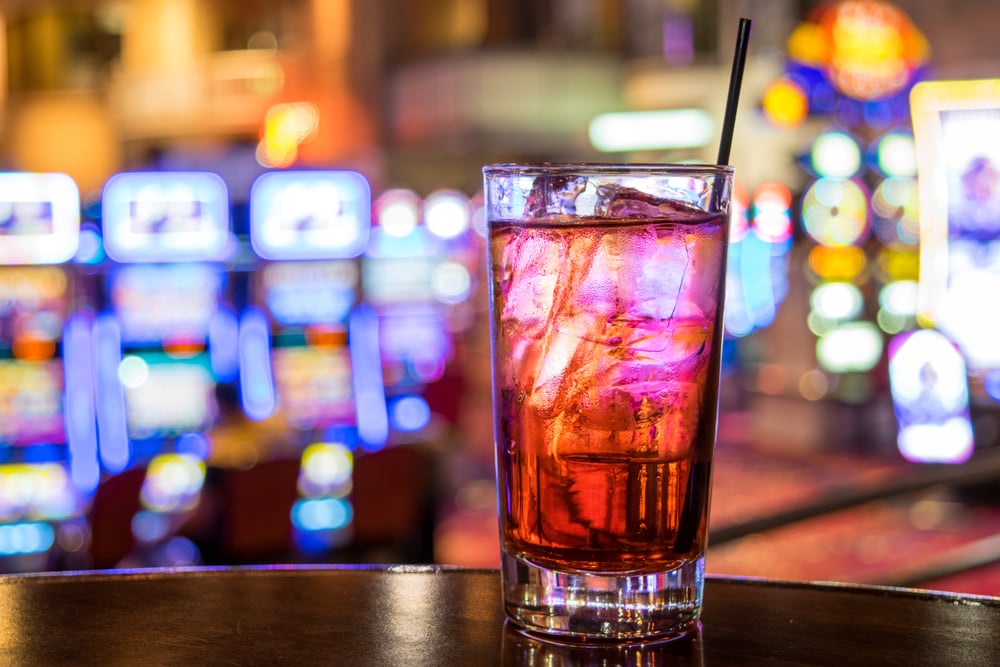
[[699, 477], [735, 82]]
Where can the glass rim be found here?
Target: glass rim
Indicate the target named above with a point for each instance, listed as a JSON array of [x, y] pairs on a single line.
[[664, 168]]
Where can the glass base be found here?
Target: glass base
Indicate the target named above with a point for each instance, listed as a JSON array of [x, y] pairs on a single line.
[[580, 606]]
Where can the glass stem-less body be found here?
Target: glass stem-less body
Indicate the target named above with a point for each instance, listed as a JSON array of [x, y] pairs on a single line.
[[606, 346]]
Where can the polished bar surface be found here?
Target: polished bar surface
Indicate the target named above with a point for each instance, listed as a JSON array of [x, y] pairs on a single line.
[[413, 615]]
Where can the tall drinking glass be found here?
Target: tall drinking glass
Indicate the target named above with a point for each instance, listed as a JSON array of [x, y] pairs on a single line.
[[606, 293]]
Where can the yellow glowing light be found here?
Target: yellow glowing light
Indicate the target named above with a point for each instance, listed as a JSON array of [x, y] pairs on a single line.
[[326, 470], [899, 263], [285, 127], [173, 483], [844, 263], [809, 44], [785, 103], [874, 48]]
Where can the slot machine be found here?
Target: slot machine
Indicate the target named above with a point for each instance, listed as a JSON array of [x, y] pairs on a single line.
[[165, 341], [48, 459], [955, 127], [308, 351], [418, 277]]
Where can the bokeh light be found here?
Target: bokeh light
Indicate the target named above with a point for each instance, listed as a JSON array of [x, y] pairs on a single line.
[[446, 213], [785, 103], [835, 212], [835, 154]]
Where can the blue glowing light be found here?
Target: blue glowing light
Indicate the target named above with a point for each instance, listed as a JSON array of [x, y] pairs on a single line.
[[195, 445], [223, 345], [39, 218], [755, 272], [25, 538], [81, 417], [409, 413], [153, 301], [328, 304], [314, 514], [91, 246], [166, 216], [256, 381], [369, 390], [113, 442], [310, 214], [148, 526], [991, 384]]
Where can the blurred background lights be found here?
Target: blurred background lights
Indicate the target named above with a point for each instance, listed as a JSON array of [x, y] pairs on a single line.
[[835, 154], [927, 378], [772, 379], [194, 444], [850, 347], [133, 371], [90, 248], [319, 514], [842, 263], [739, 222], [838, 301], [35, 491], [477, 218], [451, 282], [409, 413], [285, 127], [772, 216], [835, 212], [895, 203], [398, 212], [651, 130], [785, 103], [173, 482], [895, 154], [872, 48], [900, 297], [991, 385], [913, 373], [446, 213], [25, 538], [148, 526], [326, 470], [814, 385]]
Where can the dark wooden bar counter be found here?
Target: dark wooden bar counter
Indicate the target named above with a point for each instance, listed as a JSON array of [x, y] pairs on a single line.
[[437, 616]]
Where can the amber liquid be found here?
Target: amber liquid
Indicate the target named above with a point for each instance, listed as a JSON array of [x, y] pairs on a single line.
[[595, 477], [604, 514]]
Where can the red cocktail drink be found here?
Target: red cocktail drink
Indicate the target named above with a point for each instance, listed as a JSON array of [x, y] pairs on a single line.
[[606, 295]]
